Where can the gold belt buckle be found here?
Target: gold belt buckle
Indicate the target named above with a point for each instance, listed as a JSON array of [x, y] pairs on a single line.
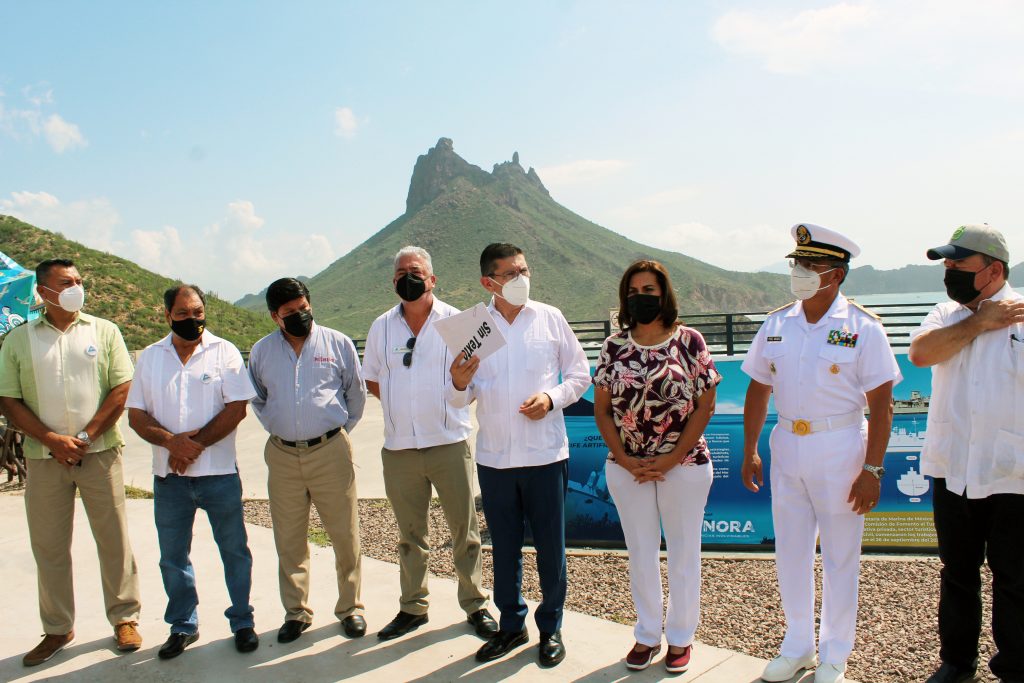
[[801, 427]]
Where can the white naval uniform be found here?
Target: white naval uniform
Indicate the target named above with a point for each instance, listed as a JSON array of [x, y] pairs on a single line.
[[811, 475]]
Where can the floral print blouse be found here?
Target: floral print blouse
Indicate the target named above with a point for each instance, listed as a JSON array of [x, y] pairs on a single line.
[[653, 390]]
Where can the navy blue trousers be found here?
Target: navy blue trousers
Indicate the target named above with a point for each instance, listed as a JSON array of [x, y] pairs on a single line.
[[512, 498]]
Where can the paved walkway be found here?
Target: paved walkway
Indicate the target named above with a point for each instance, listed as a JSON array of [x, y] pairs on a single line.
[[442, 650], [439, 651]]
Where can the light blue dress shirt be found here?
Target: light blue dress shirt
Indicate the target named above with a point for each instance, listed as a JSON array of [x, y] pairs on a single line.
[[298, 399]]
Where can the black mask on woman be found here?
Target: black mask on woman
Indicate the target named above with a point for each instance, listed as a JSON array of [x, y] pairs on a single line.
[[410, 286], [960, 285], [299, 323], [189, 329], [643, 308]]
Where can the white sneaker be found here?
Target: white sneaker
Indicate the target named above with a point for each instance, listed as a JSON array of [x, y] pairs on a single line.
[[830, 673], [784, 668]]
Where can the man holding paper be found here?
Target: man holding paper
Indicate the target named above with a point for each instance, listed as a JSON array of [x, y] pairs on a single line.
[[522, 449], [425, 444]]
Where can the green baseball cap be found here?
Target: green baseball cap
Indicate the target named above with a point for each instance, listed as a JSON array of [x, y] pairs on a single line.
[[977, 238]]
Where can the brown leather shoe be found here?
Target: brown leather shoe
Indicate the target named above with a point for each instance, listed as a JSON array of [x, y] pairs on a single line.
[[127, 636], [50, 646]]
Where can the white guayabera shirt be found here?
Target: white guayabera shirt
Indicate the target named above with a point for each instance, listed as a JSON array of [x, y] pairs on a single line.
[[541, 349], [186, 397], [975, 437]]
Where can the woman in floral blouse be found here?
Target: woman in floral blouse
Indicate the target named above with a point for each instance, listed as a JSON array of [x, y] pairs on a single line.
[[654, 394]]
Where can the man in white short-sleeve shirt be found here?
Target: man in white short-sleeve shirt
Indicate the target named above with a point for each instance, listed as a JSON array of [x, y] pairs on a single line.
[[825, 359], [974, 449], [426, 445], [189, 394]]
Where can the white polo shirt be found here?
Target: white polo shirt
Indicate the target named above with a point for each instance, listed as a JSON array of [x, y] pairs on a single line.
[[416, 414], [975, 437], [540, 348], [186, 397]]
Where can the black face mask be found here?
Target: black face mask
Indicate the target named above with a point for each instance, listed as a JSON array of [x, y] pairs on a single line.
[[960, 286], [643, 308], [299, 323], [189, 329], [410, 286]]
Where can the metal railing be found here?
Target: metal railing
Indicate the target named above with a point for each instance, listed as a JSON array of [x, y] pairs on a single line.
[[730, 334]]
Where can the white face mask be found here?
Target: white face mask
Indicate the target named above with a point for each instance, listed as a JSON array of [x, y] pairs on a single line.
[[515, 291], [805, 283], [71, 299]]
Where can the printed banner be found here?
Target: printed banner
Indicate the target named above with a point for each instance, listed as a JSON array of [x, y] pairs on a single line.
[[737, 517], [17, 294]]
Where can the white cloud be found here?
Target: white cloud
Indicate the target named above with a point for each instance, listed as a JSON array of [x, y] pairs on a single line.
[[345, 123], [581, 171], [793, 43], [232, 256], [971, 48], [21, 122], [653, 206], [89, 221], [743, 249], [62, 135]]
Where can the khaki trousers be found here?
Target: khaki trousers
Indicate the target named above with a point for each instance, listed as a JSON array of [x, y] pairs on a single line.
[[324, 476], [50, 508], [408, 475]]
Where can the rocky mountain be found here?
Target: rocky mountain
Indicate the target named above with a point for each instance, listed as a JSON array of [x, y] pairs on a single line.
[[454, 209], [911, 278], [121, 291]]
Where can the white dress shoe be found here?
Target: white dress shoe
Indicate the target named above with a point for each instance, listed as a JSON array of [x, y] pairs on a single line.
[[830, 673], [784, 668]]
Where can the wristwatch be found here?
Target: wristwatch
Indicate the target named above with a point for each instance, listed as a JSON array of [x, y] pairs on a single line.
[[876, 470], [84, 436]]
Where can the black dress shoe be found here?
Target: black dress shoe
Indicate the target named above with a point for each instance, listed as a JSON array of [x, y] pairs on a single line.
[[948, 673], [291, 630], [552, 651], [176, 644], [501, 644], [483, 623], [246, 640], [403, 623], [354, 626]]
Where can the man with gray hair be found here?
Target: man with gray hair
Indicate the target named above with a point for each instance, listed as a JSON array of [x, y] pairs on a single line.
[[405, 365], [974, 449]]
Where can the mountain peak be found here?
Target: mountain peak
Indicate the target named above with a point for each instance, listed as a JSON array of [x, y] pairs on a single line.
[[435, 171]]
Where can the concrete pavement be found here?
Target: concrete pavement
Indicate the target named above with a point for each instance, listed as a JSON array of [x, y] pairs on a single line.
[[442, 650]]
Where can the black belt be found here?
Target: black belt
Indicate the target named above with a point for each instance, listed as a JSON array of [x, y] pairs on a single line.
[[310, 442]]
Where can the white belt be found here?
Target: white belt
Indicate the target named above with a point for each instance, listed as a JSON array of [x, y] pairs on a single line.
[[825, 424]]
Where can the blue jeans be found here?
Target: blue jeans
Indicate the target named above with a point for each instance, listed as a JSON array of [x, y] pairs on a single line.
[[513, 498], [176, 500]]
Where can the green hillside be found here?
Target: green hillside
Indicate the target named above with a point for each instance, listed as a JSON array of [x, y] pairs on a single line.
[[455, 209], [119, 290]]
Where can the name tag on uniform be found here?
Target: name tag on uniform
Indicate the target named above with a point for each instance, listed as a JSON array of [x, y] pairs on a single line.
[[842, 338], [400, 349], [774, 340]]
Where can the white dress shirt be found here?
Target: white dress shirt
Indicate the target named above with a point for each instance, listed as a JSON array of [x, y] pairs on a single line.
[[540, 347], [186, 397], [975, 437], [416, 414]]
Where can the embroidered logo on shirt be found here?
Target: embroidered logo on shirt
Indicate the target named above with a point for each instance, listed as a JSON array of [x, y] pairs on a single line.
[[323, 359], [842, 338], [91, 351], [206, 379], [772, 340]]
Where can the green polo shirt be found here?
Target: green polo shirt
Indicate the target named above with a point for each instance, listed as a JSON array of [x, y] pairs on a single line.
[[64, 377]]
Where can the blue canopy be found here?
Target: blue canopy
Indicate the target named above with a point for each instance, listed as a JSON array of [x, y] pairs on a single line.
[[17, 294]]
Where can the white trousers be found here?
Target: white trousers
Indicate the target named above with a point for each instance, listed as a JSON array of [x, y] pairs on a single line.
[[811, 477], [677, 506]]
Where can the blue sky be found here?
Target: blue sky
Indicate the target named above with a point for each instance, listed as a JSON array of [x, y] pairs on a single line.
[[230, 143]]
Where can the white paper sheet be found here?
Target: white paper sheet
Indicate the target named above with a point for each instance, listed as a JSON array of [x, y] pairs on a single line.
[[472, 332]]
